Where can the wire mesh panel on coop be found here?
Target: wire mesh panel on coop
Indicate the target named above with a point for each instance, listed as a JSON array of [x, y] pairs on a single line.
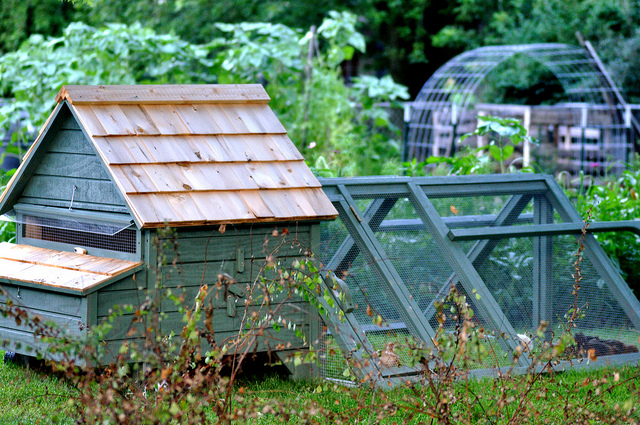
[[507, 243]]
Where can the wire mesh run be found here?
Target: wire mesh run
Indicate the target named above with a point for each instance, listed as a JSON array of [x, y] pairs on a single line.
[[401, 245]]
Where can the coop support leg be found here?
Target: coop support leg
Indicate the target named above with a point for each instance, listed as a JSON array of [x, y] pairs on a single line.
[[542, 267]]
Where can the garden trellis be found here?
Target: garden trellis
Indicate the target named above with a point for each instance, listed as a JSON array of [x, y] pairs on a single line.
[[596, 105], [400, 244]]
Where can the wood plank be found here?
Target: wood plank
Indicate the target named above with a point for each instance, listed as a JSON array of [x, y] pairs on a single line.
[[114, 151], [89, 121], [273, 200], [113, 120], [287, 147], [143, 209], [263, 175], [163, 149], [61, 188], [222, 177], [189, 148], [296, 174], [72, 165], [234, 118], [166, 119], [245, 114], [257, 205], [321, 204], [70, 123], [138, 149], [185, 204], [122, 181], [301, 200], [258, 147], [192, 174], [224, 206], [222, 150], [240, 151], [27, 254], [263, 117], [71, 141], [49, 276], [163, 94], [221, 119], [288, 174], [137, 177], [203, 150], [240, 172], [197, 119], [164, 178], [45, 301], [162, 209], [140, 120]]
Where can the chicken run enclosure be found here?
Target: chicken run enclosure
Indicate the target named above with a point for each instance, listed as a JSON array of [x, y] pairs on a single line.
[[507, 242]]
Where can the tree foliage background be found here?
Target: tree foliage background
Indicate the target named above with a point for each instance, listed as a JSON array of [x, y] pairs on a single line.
[[408, 39]]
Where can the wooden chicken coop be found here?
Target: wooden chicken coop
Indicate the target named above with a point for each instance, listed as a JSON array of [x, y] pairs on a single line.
[[114, 165]]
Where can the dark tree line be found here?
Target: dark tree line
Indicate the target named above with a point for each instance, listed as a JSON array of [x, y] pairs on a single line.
[[408, 39]]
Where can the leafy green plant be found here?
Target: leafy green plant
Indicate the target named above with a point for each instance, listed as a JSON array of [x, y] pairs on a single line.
[[509, 131], [615, 198], [324, 116], [115, 54], [7, 228]]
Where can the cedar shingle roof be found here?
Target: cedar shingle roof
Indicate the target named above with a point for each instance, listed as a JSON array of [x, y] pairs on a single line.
[[198, 154]]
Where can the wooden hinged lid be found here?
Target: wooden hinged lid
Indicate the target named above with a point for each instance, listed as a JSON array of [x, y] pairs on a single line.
[[60, 270]]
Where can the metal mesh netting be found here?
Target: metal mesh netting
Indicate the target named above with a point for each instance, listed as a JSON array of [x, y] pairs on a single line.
[[590, 129], [93, 235], [527, 280]]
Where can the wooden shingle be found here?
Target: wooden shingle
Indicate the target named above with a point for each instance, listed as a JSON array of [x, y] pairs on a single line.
[[189, 155]]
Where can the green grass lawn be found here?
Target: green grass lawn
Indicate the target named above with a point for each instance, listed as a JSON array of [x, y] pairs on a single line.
[[30, 396]]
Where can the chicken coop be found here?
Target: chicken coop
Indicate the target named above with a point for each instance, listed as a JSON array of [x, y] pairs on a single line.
[[114, 166], [507, 243]]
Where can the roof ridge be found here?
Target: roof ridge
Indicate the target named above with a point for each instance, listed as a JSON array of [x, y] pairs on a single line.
[[174, 94]]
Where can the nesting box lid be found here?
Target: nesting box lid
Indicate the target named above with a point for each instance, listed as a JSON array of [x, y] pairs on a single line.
[[196, 154], [61, 271]]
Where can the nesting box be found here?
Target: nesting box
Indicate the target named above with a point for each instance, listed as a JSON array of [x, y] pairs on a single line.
[[114, 165]]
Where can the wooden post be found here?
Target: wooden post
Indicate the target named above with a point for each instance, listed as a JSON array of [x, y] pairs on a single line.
[[526, 149]]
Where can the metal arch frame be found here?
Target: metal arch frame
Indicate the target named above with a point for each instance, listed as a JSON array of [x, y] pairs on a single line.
[[446, 234], [452, 87]]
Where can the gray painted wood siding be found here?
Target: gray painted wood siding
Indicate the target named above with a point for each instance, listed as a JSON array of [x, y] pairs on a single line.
[[67, 313], [71, 161], [192, 264]]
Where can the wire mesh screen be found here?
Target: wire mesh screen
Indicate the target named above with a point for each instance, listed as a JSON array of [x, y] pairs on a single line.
[[387, 246], [63, 231], [377, 309]]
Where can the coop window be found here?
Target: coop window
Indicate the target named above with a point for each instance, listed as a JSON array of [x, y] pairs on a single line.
[[69, 231]]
